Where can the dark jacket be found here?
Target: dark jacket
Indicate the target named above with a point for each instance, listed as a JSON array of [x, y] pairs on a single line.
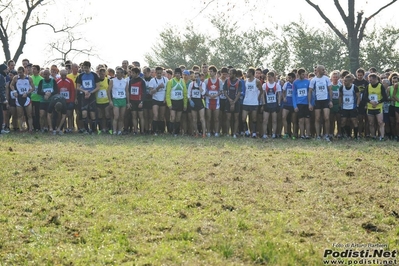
[[2, 83]]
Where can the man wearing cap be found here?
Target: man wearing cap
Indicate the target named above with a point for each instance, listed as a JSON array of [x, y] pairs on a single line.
[[176, 100]]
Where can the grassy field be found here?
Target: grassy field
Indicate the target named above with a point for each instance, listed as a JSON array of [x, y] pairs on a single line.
[[107, 200]]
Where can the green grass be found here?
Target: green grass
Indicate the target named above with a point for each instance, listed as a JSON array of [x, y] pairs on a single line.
[[105, 200]]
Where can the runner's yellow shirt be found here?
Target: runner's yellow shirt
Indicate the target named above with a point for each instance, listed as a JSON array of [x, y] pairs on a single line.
[[102, 96], [374, 95]]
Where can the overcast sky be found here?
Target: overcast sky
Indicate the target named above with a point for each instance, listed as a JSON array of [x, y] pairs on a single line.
[[128, 29]]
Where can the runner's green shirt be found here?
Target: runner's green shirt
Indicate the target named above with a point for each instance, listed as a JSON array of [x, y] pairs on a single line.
[[335, 98], [34, 96]]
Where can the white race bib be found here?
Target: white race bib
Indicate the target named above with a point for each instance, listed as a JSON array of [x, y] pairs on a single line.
[[213, 93], [87, 84], [373, 97], [23, 90], [47, 90], [102, 94], [121, 94], [302, 92], [335, 95], [134, 90], [271, 98], [289, 92], [65, 94], [178, 94], [196, 93]]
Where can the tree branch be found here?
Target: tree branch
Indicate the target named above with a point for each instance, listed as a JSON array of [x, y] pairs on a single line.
[[359, 20], [4, 40], [51, 26], [341, 11], [210, 2], [361, 31], [328, 21]]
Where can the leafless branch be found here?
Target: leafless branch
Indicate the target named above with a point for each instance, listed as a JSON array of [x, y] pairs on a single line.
[[340, 10], [328, 21], [210, 2], [361, 31]]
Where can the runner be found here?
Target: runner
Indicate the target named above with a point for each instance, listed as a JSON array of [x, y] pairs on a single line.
[[12, 108], [57, 107], [393, 78], [288, 109], [88, 83], [117, 91], [102, 102], [176, 100], [21, 87], [158, 88], [375, 95], [137, 89], [79, 97], [195, 94], [3, 99], [36, 98], [252, 91], [213, 88], [321, 84], [232, 90], [349, 100], [335, 115], [362, 84], [271, 97], [300, 101], [47, 88], [186, 117], [147, 101], [222, 110], [68, 92]]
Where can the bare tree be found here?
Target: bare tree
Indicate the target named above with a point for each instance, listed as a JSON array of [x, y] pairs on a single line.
[[69, 48], [26, 16], [355, 27]]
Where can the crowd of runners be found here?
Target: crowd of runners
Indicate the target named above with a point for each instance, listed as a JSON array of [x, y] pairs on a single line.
[[202, 102]]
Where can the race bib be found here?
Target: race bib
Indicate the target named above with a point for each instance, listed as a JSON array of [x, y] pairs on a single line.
[[213, 93], [289, 92], [386, 107], [87, 84], [134, 90], [302, 92], [47, 90], [35, 91], [373, 97], [102, 94], [335, 95], [65, 94], [121, 94], [196, 93], [178, 94], [23, 90], [271, 98]]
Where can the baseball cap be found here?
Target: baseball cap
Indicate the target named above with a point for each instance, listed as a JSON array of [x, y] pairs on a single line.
[[186, 72]]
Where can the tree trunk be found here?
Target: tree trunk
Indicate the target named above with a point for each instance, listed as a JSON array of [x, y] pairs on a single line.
[[354, 50]]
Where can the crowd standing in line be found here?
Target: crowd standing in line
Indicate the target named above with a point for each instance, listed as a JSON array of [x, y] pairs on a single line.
[[202, 102]]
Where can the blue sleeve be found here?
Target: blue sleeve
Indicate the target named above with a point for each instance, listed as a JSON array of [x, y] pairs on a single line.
[[294, 94]]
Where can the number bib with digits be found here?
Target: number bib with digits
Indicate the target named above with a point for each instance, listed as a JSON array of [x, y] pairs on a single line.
[[373, 97], [302, 92], [134, 90], [289, 92], [271, 98], [102, 94], [335, 95], [65, 94], [178, 94], [196, 94]]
